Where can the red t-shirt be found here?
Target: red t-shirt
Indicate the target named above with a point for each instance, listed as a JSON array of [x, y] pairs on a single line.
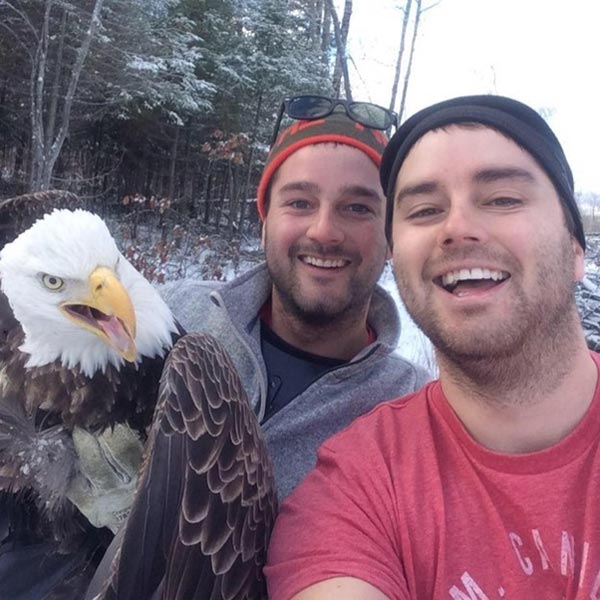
[[406, 500]]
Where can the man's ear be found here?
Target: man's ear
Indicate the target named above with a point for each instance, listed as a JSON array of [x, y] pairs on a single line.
[[263, 235], [579, 258]]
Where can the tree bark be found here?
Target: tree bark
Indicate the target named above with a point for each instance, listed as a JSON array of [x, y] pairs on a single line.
[[188, 175], [52, 110], [250, 163], [315, 8], [341, 35], [46, 153], [38, 75], [326, 33], [234, 197], [405, 21], [413, 43], [173, 165], [206, 192]]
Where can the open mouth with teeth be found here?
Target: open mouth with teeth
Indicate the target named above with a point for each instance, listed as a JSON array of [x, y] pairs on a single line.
[[324, 263], [463, 281]]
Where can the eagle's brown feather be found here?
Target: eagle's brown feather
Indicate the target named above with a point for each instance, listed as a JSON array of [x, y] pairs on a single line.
[[206, 503]]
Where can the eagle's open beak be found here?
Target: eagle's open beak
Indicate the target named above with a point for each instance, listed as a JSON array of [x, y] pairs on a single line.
[[107, 312]]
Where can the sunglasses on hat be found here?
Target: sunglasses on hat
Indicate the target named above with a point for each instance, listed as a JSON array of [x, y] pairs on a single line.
[[308, 107]]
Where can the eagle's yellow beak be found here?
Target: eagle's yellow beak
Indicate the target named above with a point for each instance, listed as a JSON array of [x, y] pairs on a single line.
[[107, 312]]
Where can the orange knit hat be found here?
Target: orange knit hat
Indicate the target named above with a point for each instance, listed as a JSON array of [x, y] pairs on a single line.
[[336, 127]]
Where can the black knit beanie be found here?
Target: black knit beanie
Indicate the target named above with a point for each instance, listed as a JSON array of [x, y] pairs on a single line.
[[336, 127], [515, 119]]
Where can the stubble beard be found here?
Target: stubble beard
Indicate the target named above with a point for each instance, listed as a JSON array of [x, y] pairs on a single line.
[[328, 311], [531, 349]]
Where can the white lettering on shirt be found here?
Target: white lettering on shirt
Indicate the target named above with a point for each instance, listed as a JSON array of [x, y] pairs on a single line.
[[537, 538], [577, 564], [524, 561], [584, 559], [475, 592], [595, 593], [567, 555]]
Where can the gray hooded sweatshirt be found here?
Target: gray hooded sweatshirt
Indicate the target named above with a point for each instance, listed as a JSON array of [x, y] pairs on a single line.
[[230, 312]]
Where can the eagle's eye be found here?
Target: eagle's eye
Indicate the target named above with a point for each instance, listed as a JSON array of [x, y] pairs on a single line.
[[52, 282]]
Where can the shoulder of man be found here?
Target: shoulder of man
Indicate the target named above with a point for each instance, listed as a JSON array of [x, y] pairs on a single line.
[[388, 416], [189, 299], [192, 303], [412, 375]]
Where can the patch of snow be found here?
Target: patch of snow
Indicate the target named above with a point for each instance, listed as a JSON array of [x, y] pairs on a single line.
[[413, 344]]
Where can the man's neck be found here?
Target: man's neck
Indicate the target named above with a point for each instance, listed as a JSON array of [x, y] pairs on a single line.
[[341, 338], [531, 401]]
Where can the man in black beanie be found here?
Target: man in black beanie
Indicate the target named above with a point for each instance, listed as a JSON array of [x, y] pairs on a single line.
[[485, 483]]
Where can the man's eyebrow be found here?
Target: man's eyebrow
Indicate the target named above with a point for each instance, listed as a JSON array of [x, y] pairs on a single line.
[[490, 175], [300, 186], [497, 174], [425, 187], [361, 191]]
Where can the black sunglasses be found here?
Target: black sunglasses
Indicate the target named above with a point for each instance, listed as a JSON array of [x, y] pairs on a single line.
[[308, 107]]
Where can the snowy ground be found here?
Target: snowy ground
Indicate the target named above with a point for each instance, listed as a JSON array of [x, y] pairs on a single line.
[[414, 344]]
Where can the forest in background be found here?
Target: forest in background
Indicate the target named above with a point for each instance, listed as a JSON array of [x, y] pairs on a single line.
[[158, 115], [163, 109]]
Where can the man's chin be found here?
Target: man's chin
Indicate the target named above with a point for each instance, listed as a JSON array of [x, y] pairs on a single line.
[[319, 312]]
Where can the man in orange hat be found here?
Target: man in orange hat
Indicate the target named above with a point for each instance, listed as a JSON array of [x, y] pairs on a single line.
[[310, 332]]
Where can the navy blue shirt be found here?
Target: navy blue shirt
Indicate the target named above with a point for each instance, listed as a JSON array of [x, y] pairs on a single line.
[[289, 370]]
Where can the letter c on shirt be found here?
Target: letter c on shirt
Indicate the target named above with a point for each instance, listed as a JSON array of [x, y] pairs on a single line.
[[524, 561]]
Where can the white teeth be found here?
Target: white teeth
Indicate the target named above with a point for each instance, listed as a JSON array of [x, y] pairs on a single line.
[[476, 273], [326, 263]]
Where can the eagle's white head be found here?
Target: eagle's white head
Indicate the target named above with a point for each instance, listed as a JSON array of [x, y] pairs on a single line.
[[77, 297]]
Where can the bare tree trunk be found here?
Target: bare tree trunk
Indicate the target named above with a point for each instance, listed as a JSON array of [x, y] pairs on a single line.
[[326, 33], [405, 21], [341, 35], [224, 184], [250, 164], [413, 43], [234, 197], [173, 165], [38, 76], [56, 83], [98, 152], [206, 193], [188, 175], [315, 8], [45, 153]]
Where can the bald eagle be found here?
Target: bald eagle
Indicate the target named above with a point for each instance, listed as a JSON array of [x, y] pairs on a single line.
[[83, 355], [84, 342]]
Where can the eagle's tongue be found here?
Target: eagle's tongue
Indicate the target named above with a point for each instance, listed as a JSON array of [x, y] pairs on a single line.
[[114, 330]]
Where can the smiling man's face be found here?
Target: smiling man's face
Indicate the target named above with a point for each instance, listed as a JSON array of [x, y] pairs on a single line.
[[324, 233], [482, 255]]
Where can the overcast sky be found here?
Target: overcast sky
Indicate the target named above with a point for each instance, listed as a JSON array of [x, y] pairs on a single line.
[[543, 52]]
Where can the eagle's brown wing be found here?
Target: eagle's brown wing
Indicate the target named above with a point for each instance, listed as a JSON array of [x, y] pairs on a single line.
[[206, 502]]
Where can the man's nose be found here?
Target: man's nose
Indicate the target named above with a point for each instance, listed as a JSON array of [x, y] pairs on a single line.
[[326, 228], [463, 224]]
